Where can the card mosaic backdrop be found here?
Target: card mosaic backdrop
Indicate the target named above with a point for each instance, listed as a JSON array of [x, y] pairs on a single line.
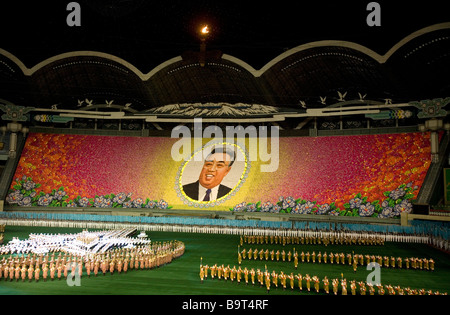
[[368, 175]]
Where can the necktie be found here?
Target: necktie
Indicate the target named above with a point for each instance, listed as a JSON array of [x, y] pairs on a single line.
[[208, 191]]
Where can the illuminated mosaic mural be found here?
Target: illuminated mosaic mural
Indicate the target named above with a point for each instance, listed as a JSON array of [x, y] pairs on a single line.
[[368, 175]]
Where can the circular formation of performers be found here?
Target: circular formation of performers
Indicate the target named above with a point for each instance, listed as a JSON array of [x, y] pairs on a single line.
[[46, 256]]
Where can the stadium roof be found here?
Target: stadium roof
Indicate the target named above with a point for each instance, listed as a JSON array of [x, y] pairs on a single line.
[[108, 62]]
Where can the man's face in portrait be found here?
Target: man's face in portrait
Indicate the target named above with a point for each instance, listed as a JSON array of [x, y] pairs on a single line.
[[215, 168]]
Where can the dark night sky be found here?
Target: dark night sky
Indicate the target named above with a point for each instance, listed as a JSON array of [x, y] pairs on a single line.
[[149, 32]]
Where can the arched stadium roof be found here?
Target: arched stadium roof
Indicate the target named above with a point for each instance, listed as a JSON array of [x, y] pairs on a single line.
[[316, 74]]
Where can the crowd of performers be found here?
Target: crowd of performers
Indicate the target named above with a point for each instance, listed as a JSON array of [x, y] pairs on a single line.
[[338, 233], [297, 281], [81, 243], [315, 238], [353, 259], [60, 263], [338, 258], [300, 282]]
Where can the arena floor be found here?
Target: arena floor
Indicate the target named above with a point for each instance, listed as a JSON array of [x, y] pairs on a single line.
[[181, 276]]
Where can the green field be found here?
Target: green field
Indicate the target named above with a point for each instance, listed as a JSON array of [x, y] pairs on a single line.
[[181, 277]]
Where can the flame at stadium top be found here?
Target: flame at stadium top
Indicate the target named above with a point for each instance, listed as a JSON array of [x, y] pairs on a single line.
[[313, 72]]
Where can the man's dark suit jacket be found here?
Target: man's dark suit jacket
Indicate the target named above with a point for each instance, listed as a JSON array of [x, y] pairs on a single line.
[[191, 190]]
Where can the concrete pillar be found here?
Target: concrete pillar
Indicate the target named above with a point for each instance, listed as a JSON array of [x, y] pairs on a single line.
[[404, 219]]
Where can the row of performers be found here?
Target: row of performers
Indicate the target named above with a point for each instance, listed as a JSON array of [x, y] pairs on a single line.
[[291, 281], [324, 239], [338, 258], [120, 260]]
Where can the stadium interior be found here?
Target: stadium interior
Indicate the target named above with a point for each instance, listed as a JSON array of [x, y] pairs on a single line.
[[362, 152]]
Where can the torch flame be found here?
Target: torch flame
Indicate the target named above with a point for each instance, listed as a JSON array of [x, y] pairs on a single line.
[[205, 30]]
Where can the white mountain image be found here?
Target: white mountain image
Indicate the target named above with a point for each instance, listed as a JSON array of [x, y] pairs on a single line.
[[214, 109]]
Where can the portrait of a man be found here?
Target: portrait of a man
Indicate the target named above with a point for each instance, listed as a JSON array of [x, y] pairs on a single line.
[[216, 166]]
